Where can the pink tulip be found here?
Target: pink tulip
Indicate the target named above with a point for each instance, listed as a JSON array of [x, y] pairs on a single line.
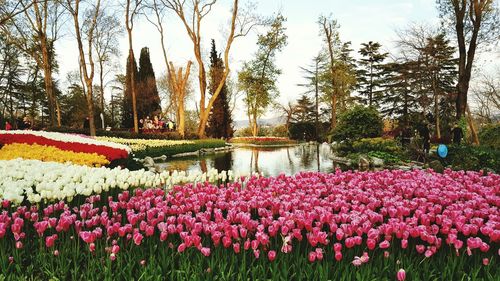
[[401, 275], [486, 261], [338, 256], [56, 253], [138, 238], [271, 255], [312, 256], [205, 251], [50, 240]]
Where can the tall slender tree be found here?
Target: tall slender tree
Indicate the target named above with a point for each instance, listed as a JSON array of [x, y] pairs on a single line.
[[132, 9], [148, 99], [258, 76], [220, 120], [370, 72], [127, 105]]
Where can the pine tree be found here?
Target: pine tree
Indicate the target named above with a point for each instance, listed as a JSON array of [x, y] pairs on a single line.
[[401, 96], [148, 99], [220, 120], [370, 73], [127, 111], [305, 110]]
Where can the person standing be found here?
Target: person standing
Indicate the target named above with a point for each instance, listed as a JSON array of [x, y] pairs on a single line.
[[426, 137], [457, 134], [8, 126]]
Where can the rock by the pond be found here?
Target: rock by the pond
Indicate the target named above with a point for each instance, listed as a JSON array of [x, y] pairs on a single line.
[[148, 161], [436, 166], [363, 162], [377, 162]]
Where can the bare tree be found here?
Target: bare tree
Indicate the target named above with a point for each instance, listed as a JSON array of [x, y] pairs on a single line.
[[132, 9], [107, 32], [329, 31], [192, 14], [89, 27], [487, 97], [179, 81], [474, 22]]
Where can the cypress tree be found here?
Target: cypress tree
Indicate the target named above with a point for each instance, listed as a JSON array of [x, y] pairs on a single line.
[[148, 99], [127, 111], [219, 121]]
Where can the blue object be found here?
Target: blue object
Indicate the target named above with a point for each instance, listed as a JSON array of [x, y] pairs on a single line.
[[442, 150]]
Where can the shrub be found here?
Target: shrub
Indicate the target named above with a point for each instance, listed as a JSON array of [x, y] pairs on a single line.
[[357, 123], [472, 158], [490, 136], [376, 144], [280, 131], [388, 158]]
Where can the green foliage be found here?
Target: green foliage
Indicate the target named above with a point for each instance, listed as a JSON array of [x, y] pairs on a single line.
[[219, 121], [244, 132], [366, 145], [148, 100], [127, 110], [389, 158], [180, 148], [304, 111], [489, 136], [75, 262], [472, 158], [359, 122], [302, 131], [280, 131], [370, 73], [258, 77]]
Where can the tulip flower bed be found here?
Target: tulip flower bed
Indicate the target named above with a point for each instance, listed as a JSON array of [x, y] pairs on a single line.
[[34, 181], [68, 142], [269, 141], [153, 148], [51, 154], [388, 225]]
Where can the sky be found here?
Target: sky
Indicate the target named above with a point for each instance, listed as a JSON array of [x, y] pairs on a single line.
[[360, 21]]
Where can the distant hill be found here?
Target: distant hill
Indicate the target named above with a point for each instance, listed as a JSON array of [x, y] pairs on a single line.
[[240, 124]]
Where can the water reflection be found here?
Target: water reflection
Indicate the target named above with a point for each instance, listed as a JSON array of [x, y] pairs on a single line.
[[270, 161]]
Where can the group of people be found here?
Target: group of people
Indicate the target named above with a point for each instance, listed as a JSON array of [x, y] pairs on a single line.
[[425, 133], [22, 124], [156, 124]]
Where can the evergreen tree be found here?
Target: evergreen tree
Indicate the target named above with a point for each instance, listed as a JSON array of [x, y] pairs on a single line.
[[148, 99], [127, 111], [305, 110], [220, 120], [370, 73], [401, 98], [440, 70]]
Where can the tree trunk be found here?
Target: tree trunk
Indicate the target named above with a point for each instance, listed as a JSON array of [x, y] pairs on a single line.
[[132, 79], [101, 87], [58, 114], [181, 120], [475, 138], [334, 110], [49, 87], [436, 108], [255, 129]]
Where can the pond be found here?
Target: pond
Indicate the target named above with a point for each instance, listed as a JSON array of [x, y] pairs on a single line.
[[269, 161]]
